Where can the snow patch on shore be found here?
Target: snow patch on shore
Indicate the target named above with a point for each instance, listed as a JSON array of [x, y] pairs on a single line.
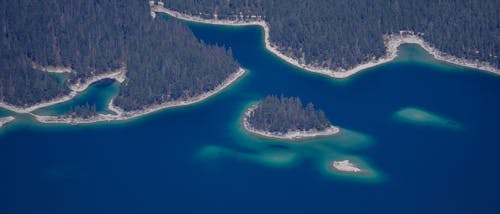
[[392, 42], [290, 135]]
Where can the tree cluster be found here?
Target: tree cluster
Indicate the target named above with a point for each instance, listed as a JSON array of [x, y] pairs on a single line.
[[164, 60], [344, 33], [283, 114]]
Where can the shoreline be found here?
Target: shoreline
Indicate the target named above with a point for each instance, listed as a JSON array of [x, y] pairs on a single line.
[[123, 115], [290, 135], [5, 120], [392, 42], [75, 89]]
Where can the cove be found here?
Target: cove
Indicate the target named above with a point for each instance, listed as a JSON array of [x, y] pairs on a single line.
[[159, 164]]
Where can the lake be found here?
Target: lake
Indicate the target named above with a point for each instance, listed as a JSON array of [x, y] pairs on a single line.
[[425, 131]]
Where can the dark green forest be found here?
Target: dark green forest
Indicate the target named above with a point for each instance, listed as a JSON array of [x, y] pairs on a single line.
[[344, 33], [283, 114], [97, 36]]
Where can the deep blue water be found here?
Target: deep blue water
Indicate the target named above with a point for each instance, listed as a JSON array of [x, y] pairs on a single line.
[[153, 164]]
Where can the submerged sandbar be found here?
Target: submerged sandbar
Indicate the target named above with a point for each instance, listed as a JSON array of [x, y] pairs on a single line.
[[422, 117]]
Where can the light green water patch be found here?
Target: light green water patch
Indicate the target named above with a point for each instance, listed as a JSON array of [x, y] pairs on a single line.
[[99, 93], [368, 174], [269, 157], [345, 139], [5, 113], [414, 53], [421, 117]]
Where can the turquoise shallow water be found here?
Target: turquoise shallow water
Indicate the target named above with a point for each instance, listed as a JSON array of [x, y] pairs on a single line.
[[198, 159]]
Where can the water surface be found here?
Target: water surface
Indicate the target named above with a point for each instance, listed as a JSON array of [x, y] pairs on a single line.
[[197, 159]]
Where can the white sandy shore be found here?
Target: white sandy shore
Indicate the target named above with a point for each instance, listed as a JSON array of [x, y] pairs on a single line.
[[392, 42], [123, 115], [290, 135], [118, 75], [345, 166], [5, 120]]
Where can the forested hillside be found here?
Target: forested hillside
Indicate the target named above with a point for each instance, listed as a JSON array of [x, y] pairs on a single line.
[[283, 114], [344, 33], [95, 36], [177, 66]]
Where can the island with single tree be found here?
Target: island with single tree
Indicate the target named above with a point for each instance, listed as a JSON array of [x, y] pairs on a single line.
[[286, 118]]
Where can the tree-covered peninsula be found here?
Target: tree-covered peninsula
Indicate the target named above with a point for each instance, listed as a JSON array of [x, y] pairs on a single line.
[[340, 34], [288, 118], [162, 58]]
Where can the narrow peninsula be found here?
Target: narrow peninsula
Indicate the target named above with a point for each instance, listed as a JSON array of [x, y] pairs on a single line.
[[286, 118]]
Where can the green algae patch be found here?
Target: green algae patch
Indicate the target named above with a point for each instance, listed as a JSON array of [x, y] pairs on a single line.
[[421, 117]]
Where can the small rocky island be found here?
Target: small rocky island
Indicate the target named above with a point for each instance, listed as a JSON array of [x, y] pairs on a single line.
[[345, 166], [286, 118]]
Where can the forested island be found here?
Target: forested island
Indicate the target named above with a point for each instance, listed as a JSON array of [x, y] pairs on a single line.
[[158, 60], [339, 35], [286, 118]]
